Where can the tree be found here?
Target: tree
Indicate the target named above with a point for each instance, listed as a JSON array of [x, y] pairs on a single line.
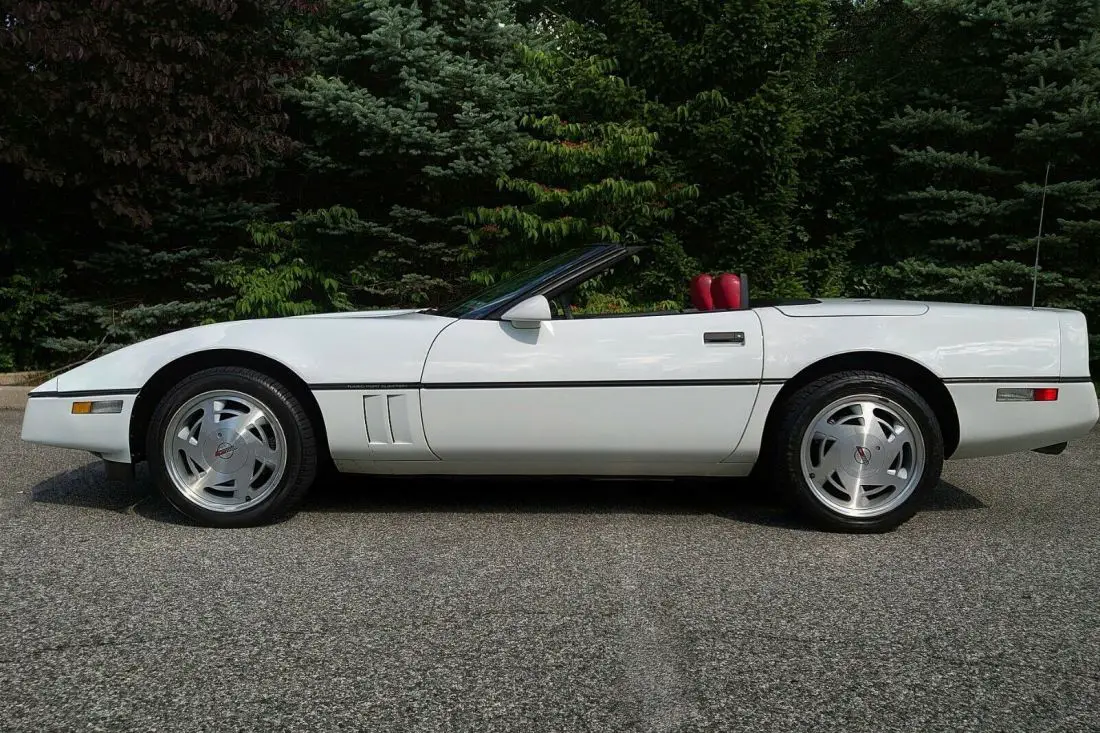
[[585, 177], [1004, 90], [117, 101], [408, 119], [726, 90], [126, 131]]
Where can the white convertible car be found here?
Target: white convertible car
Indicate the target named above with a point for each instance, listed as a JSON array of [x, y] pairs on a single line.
[[850, 405]]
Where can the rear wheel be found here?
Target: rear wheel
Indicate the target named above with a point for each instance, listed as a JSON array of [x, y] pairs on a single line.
[[232, 447], [857, 451]]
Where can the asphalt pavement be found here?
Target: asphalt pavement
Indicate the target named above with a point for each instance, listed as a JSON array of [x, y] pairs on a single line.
[[549, 606]]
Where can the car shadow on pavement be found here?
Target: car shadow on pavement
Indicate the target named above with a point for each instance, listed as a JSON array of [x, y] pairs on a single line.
[[738, 499], [87, 486]]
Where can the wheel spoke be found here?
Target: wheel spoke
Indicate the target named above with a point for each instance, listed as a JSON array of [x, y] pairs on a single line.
[[830, 462], [242, 482], [894, 450], [192, 450], [867, 410], [857, 498], [267, 455], [837, 431], [208, 480], [208, 424], [877, 477], [844, 482], [261, 450], [240, 424]]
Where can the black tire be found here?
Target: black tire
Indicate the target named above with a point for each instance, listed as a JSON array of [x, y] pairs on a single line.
[[301, 464], [784, 458]]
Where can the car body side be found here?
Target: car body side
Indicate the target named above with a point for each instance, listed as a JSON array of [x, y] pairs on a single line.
[[369, 375], [971, 350]]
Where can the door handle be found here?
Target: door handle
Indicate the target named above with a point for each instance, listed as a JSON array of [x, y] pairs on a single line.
[[724, 337]]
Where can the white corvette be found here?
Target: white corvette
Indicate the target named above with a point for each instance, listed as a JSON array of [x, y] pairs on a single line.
[[851, 405]]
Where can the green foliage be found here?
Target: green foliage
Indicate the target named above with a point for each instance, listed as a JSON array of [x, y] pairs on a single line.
[[1003, 91], [602, 303], [409, 118], [30, 311], [584, 178], [278, 277], [726, 93]]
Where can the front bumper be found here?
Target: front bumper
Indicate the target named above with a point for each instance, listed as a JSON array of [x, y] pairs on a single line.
[[48, 420]]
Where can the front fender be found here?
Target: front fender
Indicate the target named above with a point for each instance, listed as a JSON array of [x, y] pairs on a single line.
[[320, 351]]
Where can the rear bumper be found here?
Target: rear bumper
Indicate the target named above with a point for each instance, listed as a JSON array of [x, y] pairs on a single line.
[[49, 421], [991, 428]]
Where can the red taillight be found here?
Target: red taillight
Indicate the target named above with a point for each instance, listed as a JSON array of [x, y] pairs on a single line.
[[1046, 394], [1027, 394]]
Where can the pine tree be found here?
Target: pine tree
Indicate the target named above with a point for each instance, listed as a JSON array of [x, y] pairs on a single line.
[[408, 119], [1005, 90]]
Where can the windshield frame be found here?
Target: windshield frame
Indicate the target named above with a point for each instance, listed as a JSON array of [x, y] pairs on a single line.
[[549, 273]]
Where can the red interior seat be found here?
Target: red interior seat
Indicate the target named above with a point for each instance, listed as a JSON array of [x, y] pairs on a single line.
[[701, 296], [726, 292]]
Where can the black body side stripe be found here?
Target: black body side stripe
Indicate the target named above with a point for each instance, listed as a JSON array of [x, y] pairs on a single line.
[[549, 384], [1016, 380], [366, 387], [594, 383], [380, 386], [86, 393]]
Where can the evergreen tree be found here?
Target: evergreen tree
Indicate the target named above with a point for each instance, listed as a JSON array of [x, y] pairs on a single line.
[[1004, 90], [408, 120]]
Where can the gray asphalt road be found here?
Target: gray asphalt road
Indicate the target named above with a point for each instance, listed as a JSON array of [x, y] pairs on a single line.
[[538, 606]]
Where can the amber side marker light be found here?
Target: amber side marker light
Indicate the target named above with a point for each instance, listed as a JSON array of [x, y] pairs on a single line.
[[102, 407], [1027, 394]]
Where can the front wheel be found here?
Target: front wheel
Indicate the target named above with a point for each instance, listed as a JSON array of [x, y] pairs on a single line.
[[857, 451], [231, 447]]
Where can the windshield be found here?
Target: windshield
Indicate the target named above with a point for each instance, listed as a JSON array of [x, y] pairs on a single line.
[[530, 278]]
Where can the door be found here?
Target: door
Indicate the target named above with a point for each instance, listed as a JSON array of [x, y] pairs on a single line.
[[640, 389]]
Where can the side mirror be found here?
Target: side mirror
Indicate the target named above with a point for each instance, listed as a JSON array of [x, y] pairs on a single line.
[[528, 313]]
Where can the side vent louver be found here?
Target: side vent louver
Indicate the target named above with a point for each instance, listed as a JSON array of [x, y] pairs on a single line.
[[387, 417]]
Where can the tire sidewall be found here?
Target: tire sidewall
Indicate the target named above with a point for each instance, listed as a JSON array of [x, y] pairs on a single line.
[[814, 398], [265, 510]]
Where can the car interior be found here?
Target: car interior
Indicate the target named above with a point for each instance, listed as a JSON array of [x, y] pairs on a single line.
[[725, 291]]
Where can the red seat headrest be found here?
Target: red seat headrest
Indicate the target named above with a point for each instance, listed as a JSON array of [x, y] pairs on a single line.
[[701, 296], [726, 291]]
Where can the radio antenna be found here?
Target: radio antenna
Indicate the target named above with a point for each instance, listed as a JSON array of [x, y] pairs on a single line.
[[1039, 236]]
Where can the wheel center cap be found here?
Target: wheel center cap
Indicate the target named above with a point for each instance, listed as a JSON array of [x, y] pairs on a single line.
[[862, 455], [225, 451]]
